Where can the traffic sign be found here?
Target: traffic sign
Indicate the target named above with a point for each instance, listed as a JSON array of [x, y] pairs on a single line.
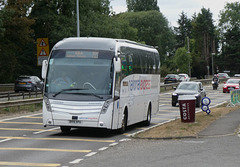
[[42, 50]]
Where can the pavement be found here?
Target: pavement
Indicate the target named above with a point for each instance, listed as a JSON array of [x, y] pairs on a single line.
[[218, 145], [226, 125]]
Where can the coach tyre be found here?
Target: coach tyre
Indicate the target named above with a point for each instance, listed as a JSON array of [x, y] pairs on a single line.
[[65, 129], [149, 116], [124, 122]]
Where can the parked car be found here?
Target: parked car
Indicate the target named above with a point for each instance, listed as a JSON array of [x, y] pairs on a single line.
[[231, 84], [171, 78], [237, 75], [184, 77], [28, 83], [223, 75], [189, 88]]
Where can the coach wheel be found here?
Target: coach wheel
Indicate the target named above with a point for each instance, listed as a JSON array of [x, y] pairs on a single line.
[[149, 117], [124, 123], [65, 129]]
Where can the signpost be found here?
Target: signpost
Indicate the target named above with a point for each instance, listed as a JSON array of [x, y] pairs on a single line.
[[235, 97], [42, 50]]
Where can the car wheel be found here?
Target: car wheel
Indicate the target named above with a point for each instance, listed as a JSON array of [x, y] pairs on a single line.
[[174, 104], [198, 102], [34, 89]]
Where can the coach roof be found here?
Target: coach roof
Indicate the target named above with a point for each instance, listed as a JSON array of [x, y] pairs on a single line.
[[93, 43]]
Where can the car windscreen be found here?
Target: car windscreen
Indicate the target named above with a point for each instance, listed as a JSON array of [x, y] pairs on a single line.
[[233, 81], [188, 87]]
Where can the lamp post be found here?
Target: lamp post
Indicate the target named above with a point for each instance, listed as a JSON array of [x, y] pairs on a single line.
[[188, 52], [78, 25], [212, 63]]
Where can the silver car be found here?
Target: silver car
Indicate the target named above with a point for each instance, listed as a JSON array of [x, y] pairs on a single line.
[[189, 88], [184, 77], [28, 83]]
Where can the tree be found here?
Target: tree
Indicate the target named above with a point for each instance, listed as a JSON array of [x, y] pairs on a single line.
[[229, 25], [184, 30], [152, 28], [204, 37], [16, 34], [53, 19], [182, 60], [141, 5]]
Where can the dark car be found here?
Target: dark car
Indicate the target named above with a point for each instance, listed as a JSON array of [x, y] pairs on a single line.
[[28, 83], [171, 78], [189, 88]]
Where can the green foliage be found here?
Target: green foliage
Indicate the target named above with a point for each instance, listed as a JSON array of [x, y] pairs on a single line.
[[229, 17], [153, 29], [165, 70], [16, 34], [184, 30], [56, 19], [141, 5], [182, 60], [229, 26], [204, 39]]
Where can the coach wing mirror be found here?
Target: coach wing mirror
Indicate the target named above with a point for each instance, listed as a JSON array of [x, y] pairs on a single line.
[[44, 69], [117, 64]]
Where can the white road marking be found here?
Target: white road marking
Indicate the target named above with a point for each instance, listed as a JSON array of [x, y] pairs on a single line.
[[76, 161], [91, 154], [1, 141], [103, 148], [124, 140], [46, 130], [113, 144], [9, 119]]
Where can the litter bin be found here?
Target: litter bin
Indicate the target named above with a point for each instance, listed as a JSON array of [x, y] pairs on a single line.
[[187, 108]]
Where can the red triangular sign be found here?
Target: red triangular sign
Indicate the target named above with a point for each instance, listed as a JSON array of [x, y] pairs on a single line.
[[43, 53], [42, 43]]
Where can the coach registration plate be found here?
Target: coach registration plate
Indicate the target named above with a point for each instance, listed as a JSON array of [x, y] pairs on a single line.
[[75, 121]]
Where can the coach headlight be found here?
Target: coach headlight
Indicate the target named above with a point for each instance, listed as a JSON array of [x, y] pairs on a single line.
[[47, 104], [106, 105]]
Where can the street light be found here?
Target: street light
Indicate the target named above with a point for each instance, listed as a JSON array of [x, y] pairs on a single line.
[[78, 26], [188, 52], [212, 63]]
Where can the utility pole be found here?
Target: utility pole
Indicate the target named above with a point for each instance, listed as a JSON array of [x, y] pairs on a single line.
[[212, 64], [188, 52], [213, 53], [78, 25]]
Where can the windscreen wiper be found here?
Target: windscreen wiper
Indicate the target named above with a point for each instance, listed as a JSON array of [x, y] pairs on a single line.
[[92, 94], [63, 90]]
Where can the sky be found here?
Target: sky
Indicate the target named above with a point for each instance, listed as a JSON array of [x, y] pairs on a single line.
[[171, 9]]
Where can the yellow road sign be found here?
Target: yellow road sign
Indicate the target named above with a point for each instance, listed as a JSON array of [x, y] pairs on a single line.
[[42, 50]]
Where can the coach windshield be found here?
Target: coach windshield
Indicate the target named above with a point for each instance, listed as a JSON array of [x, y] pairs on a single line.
[[79, 72]]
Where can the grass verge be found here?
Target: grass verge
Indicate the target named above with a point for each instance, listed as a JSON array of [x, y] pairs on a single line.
[[177, 129], [9, 111]]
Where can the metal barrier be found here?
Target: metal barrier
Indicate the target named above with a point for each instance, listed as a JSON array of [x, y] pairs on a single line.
[[16, 103], [204, 82], [7, 87], [39, 100], [7, 96]]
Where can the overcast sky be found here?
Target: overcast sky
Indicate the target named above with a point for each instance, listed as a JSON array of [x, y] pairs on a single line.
[[171, 9]]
